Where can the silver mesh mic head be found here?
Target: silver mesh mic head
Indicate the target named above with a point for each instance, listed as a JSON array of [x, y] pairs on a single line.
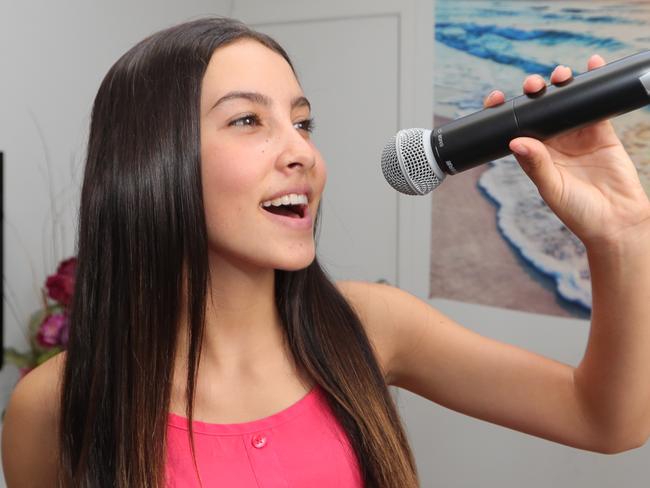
[[408, 164]]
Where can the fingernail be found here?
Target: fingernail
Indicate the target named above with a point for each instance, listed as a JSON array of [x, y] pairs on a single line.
[[491, 95], [520, 149]]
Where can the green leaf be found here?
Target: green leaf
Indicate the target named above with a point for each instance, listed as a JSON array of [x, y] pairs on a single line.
[[48, 354], [19, 359], [35, 321]]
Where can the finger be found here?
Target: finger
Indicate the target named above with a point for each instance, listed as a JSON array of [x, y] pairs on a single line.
[[535, 160], [495, 97], [534, 84], [595, 61], [561, 74]]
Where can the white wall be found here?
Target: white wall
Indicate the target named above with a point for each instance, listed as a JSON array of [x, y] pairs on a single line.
[[456, 451], [52, 58]]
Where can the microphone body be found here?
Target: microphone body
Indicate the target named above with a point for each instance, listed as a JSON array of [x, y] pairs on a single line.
[[614, 89]]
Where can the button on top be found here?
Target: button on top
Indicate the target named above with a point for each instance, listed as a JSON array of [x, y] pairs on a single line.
[[258, 441]]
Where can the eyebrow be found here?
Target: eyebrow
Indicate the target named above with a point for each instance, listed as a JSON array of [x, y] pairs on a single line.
[[260, 99]]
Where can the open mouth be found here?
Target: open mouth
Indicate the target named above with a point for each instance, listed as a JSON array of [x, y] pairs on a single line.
[[292, 205], [296, 211]]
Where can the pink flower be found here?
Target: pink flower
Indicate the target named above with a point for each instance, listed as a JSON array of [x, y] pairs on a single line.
[[67, 267], [52, 330], [60, 286], [63, 338]]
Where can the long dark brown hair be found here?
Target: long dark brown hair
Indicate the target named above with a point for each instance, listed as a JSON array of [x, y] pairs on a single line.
[[143, 252]]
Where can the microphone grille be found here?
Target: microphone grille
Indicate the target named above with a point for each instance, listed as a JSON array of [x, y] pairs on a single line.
[[407, 162]]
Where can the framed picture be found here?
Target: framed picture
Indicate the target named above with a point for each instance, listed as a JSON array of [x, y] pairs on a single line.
[[494, 240]]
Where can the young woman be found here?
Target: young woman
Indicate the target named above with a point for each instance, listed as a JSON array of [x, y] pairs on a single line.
[[207, 345]]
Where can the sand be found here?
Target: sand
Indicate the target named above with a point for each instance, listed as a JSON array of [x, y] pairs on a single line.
[[470, 260]]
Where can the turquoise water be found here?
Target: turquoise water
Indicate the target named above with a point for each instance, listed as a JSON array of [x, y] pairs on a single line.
[[483, 45]]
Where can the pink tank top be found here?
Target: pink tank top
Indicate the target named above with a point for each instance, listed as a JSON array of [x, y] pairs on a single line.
[[300, 446]]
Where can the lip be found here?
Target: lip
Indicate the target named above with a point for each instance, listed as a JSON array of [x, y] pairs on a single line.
[[298, 190], [303, 223]]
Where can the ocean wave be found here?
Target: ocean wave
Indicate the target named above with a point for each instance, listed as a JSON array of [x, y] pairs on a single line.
[[497, 13], [593, 16], [496, 43], [592, 19], [537, 234], [546, 36], [573, 10]]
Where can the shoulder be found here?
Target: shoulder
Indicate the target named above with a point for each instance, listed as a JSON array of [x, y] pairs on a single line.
[[370, 299], [384, 305], [384, 311], [30, 427]]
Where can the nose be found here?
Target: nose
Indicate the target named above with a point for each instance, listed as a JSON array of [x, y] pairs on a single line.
[[297, 151]]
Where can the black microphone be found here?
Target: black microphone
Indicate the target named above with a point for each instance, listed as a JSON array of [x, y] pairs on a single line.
[[416, 161]]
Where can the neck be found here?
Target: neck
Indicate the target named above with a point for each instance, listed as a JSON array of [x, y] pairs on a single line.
[[243, 351], [242, 325]]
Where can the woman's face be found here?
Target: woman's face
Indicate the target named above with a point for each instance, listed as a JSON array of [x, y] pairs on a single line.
[[256, 153]]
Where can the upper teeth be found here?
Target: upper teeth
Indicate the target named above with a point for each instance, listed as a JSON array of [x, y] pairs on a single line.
[[290, 199]]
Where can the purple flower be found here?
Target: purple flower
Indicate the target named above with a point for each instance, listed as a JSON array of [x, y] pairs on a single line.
[[53, 330], [60, 286], [63, 338]]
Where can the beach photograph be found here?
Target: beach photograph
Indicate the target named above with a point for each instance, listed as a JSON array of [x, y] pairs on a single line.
[[493, 240]]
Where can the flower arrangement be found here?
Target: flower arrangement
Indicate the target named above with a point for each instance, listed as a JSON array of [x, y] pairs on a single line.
[[48, 326]]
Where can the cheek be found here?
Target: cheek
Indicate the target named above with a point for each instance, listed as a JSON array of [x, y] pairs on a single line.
[[323, 168], [231, 170], [321, 173], [228, 190]]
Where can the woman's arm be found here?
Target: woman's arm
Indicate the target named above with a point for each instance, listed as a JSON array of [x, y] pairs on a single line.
[[589, 181], [613, 379], [431, 355], [603, 405], [29, 431]]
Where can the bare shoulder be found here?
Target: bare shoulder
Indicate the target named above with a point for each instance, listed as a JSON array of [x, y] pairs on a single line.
[[30, 427], [366, 297], [382, 307], [379, 308], [400, 325]]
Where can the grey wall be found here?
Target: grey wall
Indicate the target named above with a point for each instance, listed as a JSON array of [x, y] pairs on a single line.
[[53, 57]]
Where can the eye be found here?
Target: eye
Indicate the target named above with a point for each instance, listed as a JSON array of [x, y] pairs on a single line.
[[249, 120], [307, 125]]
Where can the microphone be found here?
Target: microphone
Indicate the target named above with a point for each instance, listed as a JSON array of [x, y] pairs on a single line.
[[416, 161]]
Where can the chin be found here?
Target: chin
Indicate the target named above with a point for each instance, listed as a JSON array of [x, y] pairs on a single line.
[[296, 263]]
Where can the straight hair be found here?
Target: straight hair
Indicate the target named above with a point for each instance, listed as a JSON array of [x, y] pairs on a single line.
[[142, 251]]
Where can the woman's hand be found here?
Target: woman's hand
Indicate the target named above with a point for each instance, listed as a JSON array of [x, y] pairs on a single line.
[[585, 176]]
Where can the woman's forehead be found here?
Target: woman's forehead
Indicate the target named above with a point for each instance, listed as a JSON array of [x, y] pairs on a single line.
[[249, 66]]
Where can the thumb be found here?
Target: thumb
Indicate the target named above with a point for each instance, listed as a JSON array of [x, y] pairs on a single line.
[[535, 160]]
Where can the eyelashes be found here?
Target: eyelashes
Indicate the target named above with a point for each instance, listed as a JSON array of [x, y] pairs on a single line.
[[249, 120], [252, 120], [307, 125]]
